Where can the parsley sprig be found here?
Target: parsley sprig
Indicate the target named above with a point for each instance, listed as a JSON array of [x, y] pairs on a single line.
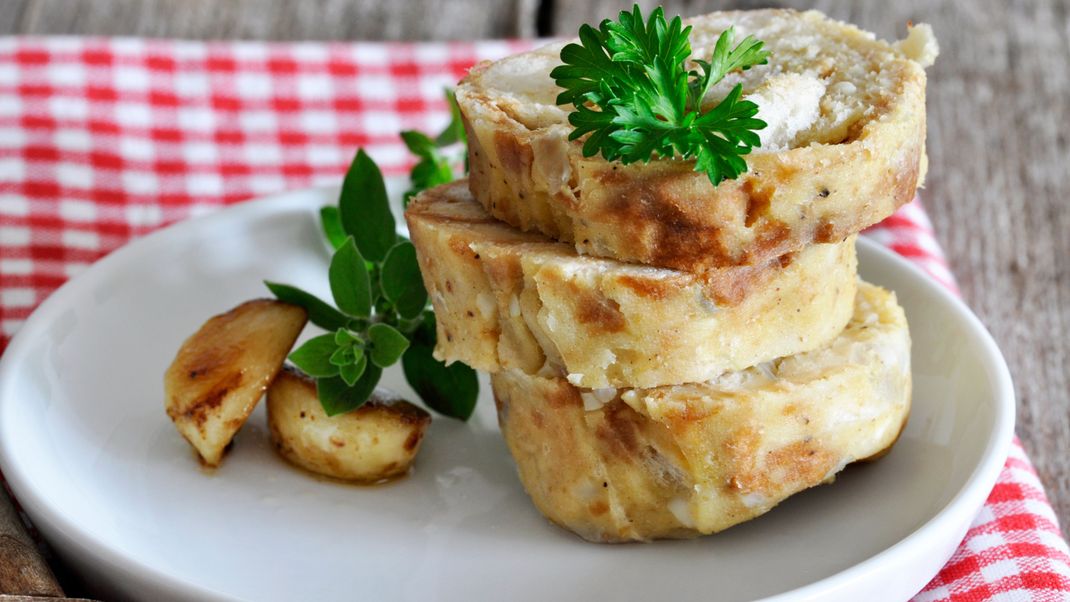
[[632, 93], [380, 313]]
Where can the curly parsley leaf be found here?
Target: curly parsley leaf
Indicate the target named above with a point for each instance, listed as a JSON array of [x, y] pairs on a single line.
[[635, 100]]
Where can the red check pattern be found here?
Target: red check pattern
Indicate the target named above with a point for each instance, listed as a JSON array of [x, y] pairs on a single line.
[[104, 140]]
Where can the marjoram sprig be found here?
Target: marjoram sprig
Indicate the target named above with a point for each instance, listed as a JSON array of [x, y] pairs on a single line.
[[380, 313]]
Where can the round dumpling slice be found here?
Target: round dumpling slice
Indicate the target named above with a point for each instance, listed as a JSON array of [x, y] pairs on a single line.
[[844, 147], [680, 461], [506, 299]]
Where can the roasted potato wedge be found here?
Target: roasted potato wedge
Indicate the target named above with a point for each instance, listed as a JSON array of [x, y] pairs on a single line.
[[222, 371], [375, 442]]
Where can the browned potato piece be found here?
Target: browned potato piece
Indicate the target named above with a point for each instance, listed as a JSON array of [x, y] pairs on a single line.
[[375, 442], [221, 372]]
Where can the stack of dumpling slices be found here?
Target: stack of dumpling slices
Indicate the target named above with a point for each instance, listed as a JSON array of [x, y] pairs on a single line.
[[668, 357]]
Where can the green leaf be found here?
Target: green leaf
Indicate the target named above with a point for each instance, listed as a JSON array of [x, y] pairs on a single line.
[[387, 344], [343, 356], [350, 283], [454, 131], [432, 170], [313, 357], [351, 372], [418, 143], [337, 397], [634, 99], [319, 313], [449, 390], [365, 208], [331, 220], [428, 173], [345, 337], [401, 282]]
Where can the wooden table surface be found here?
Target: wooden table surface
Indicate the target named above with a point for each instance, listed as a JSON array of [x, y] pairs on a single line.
[[999, 117]]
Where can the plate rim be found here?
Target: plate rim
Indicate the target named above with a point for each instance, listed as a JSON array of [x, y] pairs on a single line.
[[968, 499]]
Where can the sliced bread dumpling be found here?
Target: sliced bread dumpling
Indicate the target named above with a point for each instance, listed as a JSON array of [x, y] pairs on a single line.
[[506, 299], [844, 147], [681, 461]]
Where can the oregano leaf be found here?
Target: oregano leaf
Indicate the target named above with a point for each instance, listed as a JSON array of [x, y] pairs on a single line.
[[454, 131], [401, 282], [319, 312], [314, 356], [365, 208], [331, 222], [387, 344], [350, 283], [351, 372], [418, 143], [337, 397], [449, 390]]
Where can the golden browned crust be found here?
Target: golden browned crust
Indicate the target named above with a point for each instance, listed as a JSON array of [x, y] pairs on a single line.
[[222, 370], [681, 461], [833, 182], [509, 299], [376, 442]]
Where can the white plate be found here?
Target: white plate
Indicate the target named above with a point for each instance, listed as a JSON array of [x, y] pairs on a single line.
[[88, 450]]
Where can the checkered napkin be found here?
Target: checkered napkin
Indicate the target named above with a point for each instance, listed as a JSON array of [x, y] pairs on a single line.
[[104, 140]]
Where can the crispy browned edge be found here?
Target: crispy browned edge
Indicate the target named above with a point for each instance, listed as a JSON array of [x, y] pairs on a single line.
[[648, 207], [406, 411], [214, 357], [725, 285]]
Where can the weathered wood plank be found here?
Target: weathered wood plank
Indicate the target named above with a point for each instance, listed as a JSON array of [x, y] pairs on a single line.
[[273, 19], [6, 598], [22, 569], [999, 181]]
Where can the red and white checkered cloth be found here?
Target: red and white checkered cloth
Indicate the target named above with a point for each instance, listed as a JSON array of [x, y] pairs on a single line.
[[103, 140]]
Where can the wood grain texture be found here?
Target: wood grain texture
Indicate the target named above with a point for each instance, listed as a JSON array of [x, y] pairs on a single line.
[[273, 19], [999, 105], [23, 571]]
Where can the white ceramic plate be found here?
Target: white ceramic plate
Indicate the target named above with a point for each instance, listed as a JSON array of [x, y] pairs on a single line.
[[88, 450]]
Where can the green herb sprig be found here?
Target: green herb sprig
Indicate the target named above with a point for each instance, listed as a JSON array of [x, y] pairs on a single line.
[[632, 93], [435, 166], [380, 313]]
